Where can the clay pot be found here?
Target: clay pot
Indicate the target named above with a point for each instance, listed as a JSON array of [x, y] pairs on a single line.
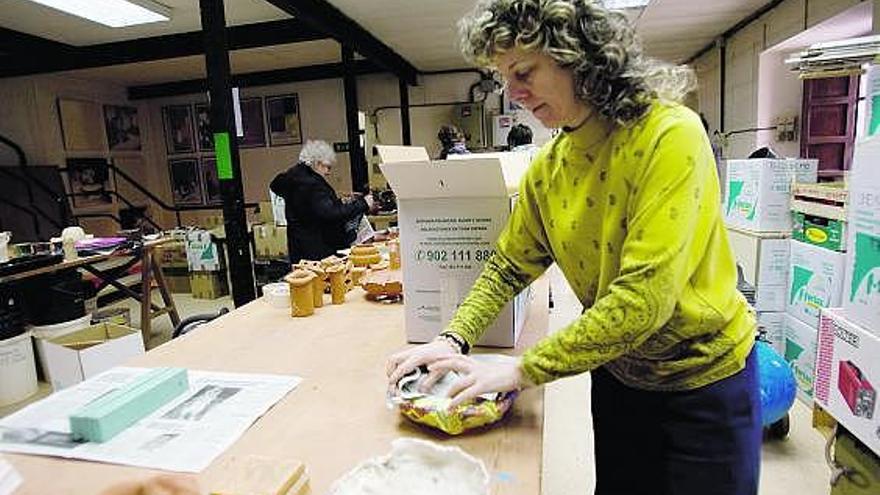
[[302, 301]]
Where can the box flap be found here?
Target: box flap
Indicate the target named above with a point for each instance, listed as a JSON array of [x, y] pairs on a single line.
[[513, 165], [466, 178], [93, 335], [393, 154]]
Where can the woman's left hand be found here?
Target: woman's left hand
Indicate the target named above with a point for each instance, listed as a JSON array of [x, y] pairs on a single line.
[[476, 377]]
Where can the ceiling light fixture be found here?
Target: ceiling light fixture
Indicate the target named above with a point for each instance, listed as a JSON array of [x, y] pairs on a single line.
[[112, 13], [625, 4]]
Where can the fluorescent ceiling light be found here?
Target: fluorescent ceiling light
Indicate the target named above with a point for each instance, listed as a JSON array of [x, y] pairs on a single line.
[[112, 13], [625, 4]]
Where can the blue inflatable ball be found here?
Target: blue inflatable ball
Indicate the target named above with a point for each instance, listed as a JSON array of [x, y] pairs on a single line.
[[777, 383]]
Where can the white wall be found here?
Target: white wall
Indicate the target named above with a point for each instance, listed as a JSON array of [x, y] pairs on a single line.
[[743, 67]]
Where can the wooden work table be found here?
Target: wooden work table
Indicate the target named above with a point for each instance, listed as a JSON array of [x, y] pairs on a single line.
[[337, 416]]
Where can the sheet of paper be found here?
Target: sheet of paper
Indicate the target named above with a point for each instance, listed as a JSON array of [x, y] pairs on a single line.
[[185, 435]]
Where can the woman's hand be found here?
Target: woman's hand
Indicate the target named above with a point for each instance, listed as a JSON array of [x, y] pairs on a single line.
[[403, 362], [157, 485], [476, 377]]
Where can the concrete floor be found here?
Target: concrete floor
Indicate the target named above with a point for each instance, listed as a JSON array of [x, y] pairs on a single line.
[[794, 465]]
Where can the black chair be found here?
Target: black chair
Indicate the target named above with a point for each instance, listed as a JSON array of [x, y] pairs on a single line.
[[192, 322]]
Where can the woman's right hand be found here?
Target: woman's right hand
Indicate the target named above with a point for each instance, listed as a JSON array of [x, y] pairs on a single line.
[[403, 362], [370, 202]]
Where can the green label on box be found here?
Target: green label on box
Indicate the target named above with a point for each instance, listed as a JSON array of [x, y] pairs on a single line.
[[224, 155], [821, 232]]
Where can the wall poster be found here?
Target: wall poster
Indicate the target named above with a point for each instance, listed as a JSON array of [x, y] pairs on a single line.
[[178, 120], [284, 121], [210, 181], [123, 129], [186, 182]]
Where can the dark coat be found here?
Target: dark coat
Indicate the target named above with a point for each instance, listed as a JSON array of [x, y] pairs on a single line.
[[316, 217]]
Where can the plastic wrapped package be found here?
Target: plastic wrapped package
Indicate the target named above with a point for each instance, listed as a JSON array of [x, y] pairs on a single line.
[[432, 408]]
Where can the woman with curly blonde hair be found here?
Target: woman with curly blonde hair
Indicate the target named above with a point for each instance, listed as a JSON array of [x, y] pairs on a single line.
[[626, 201]]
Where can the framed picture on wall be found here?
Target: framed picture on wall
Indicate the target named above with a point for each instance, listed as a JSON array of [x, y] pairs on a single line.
[[186, 182], [89, 181], [252, 123], [210, 181], [178, 121], [204, 137], [123, 129], [284, 123]]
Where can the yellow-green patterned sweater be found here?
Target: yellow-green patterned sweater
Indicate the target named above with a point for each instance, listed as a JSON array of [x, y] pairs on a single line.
[[632, 217]]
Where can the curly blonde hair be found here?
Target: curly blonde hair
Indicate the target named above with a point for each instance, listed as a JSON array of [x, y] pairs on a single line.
[[600, 46]]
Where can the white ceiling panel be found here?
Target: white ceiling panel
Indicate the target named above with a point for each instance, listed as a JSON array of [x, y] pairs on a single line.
[[32, 18]]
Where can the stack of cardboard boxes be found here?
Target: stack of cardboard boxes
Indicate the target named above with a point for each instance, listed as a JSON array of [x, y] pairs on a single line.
[[207, 265], [758, 217], [175, 269], [815, 279], [847, 372]]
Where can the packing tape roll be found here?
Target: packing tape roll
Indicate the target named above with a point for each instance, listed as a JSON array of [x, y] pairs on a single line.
[[277, 295]]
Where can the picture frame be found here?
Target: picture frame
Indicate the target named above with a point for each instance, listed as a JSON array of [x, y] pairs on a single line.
[[178, 124], [210, 181], [204, 136], [123, 128], [89, 182], [253, 123], [283, 117], [186, 182]]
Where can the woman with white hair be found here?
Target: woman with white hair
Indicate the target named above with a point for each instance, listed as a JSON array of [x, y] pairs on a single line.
[[316, 217], [625, 200]]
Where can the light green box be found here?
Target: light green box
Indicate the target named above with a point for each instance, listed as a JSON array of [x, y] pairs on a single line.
[[109, 415], [815, 281], [799, 351]]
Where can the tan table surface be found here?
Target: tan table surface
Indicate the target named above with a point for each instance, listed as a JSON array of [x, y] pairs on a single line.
[[337, 416]]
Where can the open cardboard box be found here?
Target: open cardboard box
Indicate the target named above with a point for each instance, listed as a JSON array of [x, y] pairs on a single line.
[[450, 215], [74, 357]]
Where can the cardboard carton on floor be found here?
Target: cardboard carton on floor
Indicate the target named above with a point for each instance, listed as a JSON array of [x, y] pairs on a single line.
[[862, 281], [450, 215], [764, 258], [848, 375], [202, 253], [74, 357], [815, 281], [758, 192], [208, 285], [800, 352]]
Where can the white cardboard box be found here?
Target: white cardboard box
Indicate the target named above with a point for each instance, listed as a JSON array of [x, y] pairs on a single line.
[[772, 325], [799, 351], [202, 254], [764, 258], [862, 282], [450, 215], [84, 353], [758, 192], [815, 281], [847, 375]]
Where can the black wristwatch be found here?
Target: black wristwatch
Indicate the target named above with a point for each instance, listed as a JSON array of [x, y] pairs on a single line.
[[463, 346]]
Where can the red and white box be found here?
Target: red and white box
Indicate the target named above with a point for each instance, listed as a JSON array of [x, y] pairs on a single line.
[[848, 374]]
